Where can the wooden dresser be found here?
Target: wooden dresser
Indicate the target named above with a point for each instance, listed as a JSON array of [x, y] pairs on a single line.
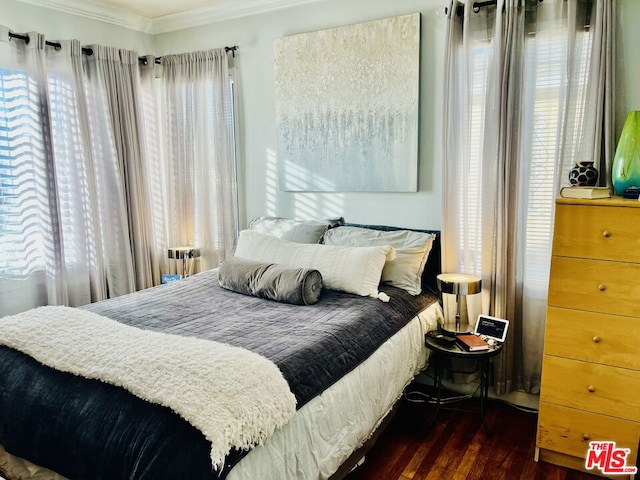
[[591, 366]]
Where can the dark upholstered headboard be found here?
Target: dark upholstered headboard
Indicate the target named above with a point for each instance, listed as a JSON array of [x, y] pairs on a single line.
[[433, 267]]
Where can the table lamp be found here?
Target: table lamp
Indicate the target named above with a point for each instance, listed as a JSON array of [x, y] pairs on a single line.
[[458, 284], [184, 253]]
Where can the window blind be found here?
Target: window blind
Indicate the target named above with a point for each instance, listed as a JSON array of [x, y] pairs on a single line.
[[545, 84], [21, 170]]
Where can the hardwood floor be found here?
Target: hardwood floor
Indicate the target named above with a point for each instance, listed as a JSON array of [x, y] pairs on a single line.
[[456, 447]]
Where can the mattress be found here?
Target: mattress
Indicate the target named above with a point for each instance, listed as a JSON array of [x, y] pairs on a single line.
[[328, 426]]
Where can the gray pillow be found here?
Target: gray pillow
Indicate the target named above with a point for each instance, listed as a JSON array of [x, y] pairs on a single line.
[[294, 230], [282, 283]]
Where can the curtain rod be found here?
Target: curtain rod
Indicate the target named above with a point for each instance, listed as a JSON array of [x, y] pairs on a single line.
[[56, 45], [157, 61], [476, 6], [89, 51]]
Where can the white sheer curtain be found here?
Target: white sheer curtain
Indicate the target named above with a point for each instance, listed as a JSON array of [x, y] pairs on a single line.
[[525, 97], [201, 192], [154, 170], [64, 230]]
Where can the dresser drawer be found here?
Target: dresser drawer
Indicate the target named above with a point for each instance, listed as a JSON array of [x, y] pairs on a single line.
[[606, 233], [569, 431], [595, 286], [591, 387], [592, 337]]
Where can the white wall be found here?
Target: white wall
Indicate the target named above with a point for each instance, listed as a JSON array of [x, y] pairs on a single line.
[[55, 25], [254, 35], [627, 61]]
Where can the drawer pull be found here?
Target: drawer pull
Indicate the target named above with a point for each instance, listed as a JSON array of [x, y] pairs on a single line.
[[591, 388], [586, 437], [606, 234], [596, 339], [602, 288]]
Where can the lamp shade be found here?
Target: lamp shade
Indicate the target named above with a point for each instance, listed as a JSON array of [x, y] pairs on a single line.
[[184, 252], [626, 163], [459, 283]]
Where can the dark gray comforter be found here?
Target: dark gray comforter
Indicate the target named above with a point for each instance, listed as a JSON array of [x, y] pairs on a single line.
[[85, 429]]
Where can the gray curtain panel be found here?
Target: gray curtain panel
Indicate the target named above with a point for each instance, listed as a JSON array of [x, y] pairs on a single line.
[[119, 78]]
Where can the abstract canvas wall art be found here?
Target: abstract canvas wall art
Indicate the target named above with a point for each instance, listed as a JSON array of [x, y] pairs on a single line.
[[347, 107]]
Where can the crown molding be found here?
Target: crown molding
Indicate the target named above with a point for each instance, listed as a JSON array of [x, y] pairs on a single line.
[[102, 13], [220, 11], [224, 10]]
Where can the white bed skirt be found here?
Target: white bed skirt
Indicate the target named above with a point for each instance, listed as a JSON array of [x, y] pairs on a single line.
[[328, 429]]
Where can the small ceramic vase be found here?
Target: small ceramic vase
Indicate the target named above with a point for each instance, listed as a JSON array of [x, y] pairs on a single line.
[[583, 174]]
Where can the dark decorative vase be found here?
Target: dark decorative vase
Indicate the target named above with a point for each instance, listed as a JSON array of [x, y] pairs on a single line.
[[626, 164], [583, 174]]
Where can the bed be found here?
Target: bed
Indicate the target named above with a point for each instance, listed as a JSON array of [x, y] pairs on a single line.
[[347, 359]]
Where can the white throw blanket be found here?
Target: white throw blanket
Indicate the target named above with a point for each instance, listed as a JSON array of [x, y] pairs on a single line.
[[235, 397]]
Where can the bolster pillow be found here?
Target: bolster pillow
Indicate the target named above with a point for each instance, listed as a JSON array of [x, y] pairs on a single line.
[[300, 286]]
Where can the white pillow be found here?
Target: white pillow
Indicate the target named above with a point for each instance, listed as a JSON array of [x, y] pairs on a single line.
[[349, 269], [412, 250]]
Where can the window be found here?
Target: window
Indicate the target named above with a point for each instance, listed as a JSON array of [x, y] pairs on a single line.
[[546, 83], [31, 190], [21, 163], [543, 111]]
